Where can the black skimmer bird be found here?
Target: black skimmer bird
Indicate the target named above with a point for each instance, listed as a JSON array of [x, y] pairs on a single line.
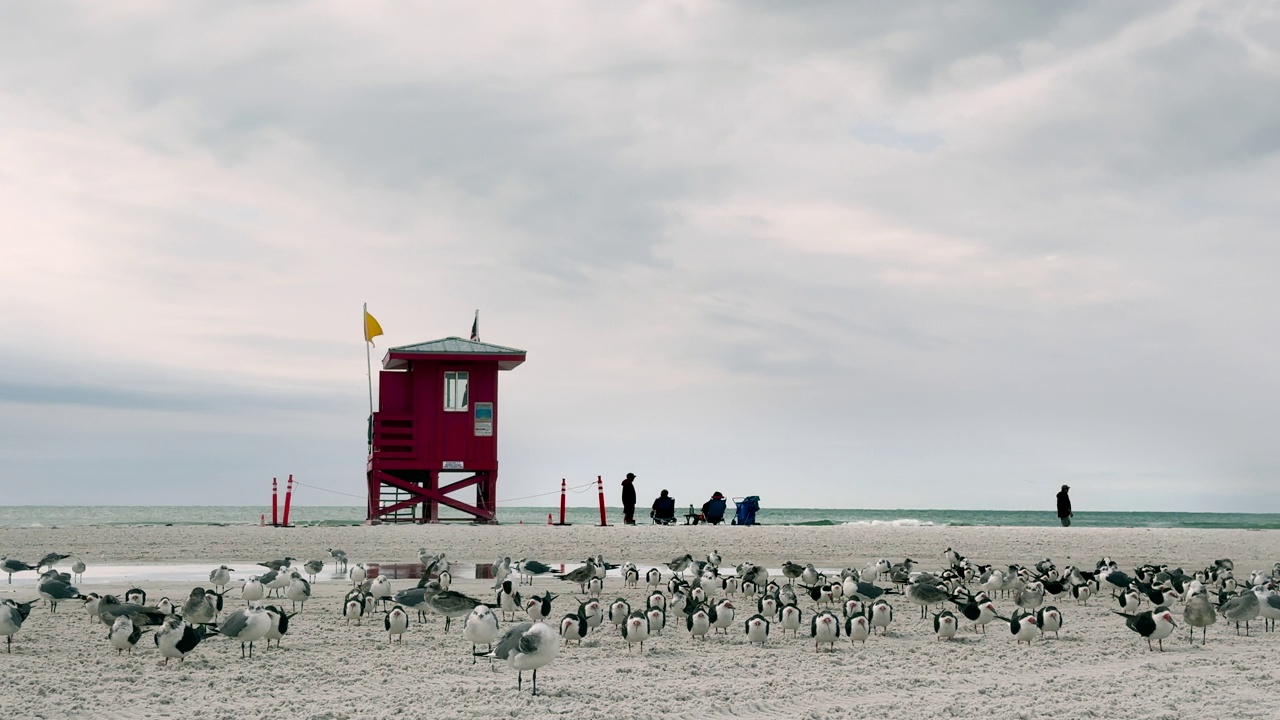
[[657, 620], [881, 615], [248, 625], [1199, 613], [595, 586], [539, 608], [1022, 626], [313, 568], [1243, 608], [618, 611], [124, 634], [481, 628], [12, 615], [508, 600], [657, 600], [136, 595], [1049, 619], [220, 577], [298, 591], [790, 618], [977, 610], [592, 613], [714, 558], [530, 569], [527, 646], [698, 622], [824, 627], [722, 616], [653, 578], [1154, 624], [1081, 593], [279, 624], [574, 627], [396, 623], [630, 576], [945, 625], [636, 629], [868, 592], [767, 606], [353, 607], [857, 627], [177, 638], [757, 629]]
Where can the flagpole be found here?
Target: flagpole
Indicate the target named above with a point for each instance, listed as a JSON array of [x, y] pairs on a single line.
[[368, 363]]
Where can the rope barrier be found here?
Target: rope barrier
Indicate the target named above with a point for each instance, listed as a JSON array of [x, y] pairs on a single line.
[[577, 488]]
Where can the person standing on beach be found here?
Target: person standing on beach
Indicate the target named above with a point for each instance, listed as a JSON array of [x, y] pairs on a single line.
[[629, 499], [1064, 506]]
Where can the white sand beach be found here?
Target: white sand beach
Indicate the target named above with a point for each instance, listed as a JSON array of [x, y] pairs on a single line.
[[62, 666]]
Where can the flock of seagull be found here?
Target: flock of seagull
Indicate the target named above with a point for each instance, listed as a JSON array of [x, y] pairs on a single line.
[[854, 604]]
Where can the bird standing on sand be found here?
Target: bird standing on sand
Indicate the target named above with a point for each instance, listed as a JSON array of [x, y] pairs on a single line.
[[480, 628], [1049, 620], [722, 618], [1154, 624], [581, 575], [13, 566], [944, 625], [77, 570], [539, 608], [791, 571], [824, 627], [353, 607], [248, 625], [12, 615], [197, 609], [1199, 613], [339, 559], [857, 627], [573, 627], [220, 576], [636, 629], [381, 589], [279, 624], [124, 634], [1023, 627], [451, 604], [1243, 608], [299, 591], [527, 646], [925, 595], [508, 600], [653, 578], [52, 588], [530, 569], [313, 568], [252, 590], [790, 618], [698, 622], [177, 638], [680, 564], [757, 629], [881, 615], [396, 623], [357, 574]]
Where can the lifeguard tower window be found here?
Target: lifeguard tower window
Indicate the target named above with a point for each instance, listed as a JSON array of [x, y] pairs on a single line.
[[455, 391]]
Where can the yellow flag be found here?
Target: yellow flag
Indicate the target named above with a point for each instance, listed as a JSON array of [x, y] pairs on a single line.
[[371, 327]]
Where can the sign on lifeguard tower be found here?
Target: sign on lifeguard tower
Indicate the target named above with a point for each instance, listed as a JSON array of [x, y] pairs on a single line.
[[437, 419]]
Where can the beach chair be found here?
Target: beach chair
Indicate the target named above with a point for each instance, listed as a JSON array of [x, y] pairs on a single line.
[[665, 512], [745, 509]]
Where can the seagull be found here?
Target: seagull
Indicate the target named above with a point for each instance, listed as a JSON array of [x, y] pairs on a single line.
[[381, 589], [944, 625], [397, 622], [431, 563], [500, 570], [220, 576], [50, 560], [791, 571], [1269, 608], [248, 625], [415, 598], [757, 629], [713, 558], [581, 575], [357, 574], [698, 622], [480, 628], [252, 590], [279, 624], [527, 646], [313, 568], [124, 634], [109, 608], [452, 604], [636, 629], [277, 564], [530, 569], [276, 580], [680, 564], [339, 559], [52, 589], [1154, 624], [1030, 597], [1049, 619], [1242, 608], [77, 570], [299, 590], [1199, 613], [177, 637], [857, 627], [12, 615], [925, 595], [198, 609]]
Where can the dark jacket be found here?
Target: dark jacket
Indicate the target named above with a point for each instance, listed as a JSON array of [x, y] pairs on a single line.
[[664, 508], [1064, 505], [628, 494]]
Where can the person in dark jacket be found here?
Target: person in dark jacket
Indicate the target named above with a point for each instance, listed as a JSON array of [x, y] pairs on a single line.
[[664, 509], [712, 510], [1064, 506], [629, 499]]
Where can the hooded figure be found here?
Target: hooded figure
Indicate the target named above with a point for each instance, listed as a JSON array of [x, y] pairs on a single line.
[[629, 499], [1064, 506]]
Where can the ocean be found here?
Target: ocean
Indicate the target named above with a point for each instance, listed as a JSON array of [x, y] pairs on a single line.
[[52, 516]]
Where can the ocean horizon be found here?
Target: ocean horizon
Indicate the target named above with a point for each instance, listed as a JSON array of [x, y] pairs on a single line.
[[337, 515]]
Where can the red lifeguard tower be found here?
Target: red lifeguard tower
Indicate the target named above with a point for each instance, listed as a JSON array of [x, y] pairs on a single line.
[[437, 416]]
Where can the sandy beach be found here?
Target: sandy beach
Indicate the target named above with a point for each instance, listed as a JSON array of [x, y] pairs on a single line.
[[62, 666]]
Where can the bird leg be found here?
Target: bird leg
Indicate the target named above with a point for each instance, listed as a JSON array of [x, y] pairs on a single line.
[[535, 681]]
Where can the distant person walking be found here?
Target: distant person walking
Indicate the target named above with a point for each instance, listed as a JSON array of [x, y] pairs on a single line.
[[1064, 506], [629, 499]]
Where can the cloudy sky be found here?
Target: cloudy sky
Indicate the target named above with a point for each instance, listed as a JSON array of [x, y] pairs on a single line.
[[883, 255]]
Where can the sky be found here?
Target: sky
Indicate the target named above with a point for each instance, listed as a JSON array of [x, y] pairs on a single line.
[[881, 255]]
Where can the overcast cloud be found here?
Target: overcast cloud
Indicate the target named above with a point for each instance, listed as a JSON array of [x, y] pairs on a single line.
[[888, 255]]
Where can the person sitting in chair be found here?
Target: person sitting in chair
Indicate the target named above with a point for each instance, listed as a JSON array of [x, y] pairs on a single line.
[[712, 510], [664, 509]]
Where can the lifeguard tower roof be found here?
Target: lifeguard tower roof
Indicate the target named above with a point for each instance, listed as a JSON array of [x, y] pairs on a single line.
[[452, 348]]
